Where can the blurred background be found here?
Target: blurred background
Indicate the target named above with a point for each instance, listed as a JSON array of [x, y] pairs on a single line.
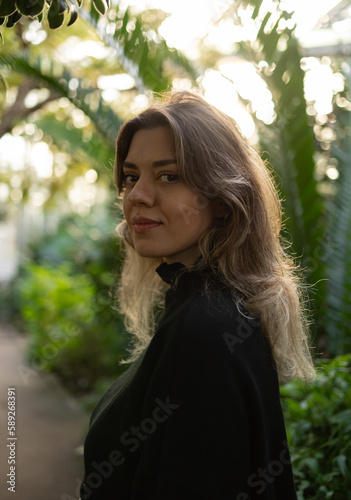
[[69, 76]]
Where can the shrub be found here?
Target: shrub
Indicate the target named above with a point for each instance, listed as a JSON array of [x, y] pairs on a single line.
[[318, 420], [61, 313]]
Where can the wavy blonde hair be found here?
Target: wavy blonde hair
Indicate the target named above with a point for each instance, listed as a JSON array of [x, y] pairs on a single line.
[[244, 248]]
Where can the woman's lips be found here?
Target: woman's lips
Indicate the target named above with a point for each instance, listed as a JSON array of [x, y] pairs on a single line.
[[143, 224]]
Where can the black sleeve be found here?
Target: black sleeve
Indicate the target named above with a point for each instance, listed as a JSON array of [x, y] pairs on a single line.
[[226, 424]]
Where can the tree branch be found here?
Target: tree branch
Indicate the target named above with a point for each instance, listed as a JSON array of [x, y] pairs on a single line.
[[18, 111]]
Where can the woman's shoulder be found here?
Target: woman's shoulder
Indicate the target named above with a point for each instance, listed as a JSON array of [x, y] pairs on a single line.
[[216, 311], [216, 324]]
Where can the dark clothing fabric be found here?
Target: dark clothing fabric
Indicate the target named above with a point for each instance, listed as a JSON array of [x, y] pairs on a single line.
[[198, 415]]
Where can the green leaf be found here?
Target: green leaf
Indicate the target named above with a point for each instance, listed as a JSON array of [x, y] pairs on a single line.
[[257, 8], [62, 5], [56, 21], [341, 461], [30, 8], [94, 14], [261, 33], [312, 464], [124, 23], [100, 6], [7, 7], [13, 19], [343, 417], [74, 16], [55, 17], [144, 57]]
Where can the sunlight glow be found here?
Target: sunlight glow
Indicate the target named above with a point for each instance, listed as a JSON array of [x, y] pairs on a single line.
[[333, 173], [120, 81], [222, 94], [82, 195], [307, 13], [316, 91], [36, 96], [34, 33], [12, 152], [189, 22], [41, 158], [251, 87], [91, 176], [75, 50]]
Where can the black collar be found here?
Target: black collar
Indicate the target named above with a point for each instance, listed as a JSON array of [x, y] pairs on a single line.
[[171, 273], [179, 276]]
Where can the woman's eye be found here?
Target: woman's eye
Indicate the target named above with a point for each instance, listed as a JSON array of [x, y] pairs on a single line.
[[129, 179], [168, 178]]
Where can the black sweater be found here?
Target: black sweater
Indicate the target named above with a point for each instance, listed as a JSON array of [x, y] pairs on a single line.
[[198, 415]]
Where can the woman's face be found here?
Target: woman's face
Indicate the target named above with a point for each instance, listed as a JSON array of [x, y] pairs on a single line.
[[165, 216]]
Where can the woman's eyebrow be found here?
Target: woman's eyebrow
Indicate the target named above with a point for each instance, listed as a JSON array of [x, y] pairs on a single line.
[[158, 163]]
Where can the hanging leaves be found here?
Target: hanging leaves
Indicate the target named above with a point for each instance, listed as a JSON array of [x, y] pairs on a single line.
[[7, 8], [101, 6], [30, 8], [11, 11]]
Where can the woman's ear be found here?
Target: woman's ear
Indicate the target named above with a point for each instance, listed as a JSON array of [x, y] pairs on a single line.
[[220, 209]]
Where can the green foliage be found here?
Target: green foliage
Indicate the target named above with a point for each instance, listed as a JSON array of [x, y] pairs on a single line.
[[318, 421], [66, 304], [57, 79], [143, 53], [97, 152], [11, 11], [289, 140], [317, 211], [338, 313], [10, 305], [317, 223], [143, 56]]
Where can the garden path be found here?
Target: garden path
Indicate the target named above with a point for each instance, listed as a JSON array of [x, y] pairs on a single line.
[[50, 428]]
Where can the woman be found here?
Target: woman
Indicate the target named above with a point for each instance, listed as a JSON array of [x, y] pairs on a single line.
[[198, 415]]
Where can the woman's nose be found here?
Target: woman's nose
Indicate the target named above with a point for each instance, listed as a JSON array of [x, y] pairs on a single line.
[[143, 192]]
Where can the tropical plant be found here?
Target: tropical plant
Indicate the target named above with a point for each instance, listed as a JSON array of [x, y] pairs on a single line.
[[288, 143], [135, 47], [11, 11], [317, 209], [65, 300], [318, 421], [338, 311], [140, 49], [49, 75]]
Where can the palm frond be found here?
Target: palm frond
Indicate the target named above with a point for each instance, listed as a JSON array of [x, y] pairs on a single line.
[[338, 249], [57, 78], [289, 140], [144, 55]]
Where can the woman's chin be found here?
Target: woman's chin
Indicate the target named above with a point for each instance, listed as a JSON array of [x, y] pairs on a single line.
[[147, 253]]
